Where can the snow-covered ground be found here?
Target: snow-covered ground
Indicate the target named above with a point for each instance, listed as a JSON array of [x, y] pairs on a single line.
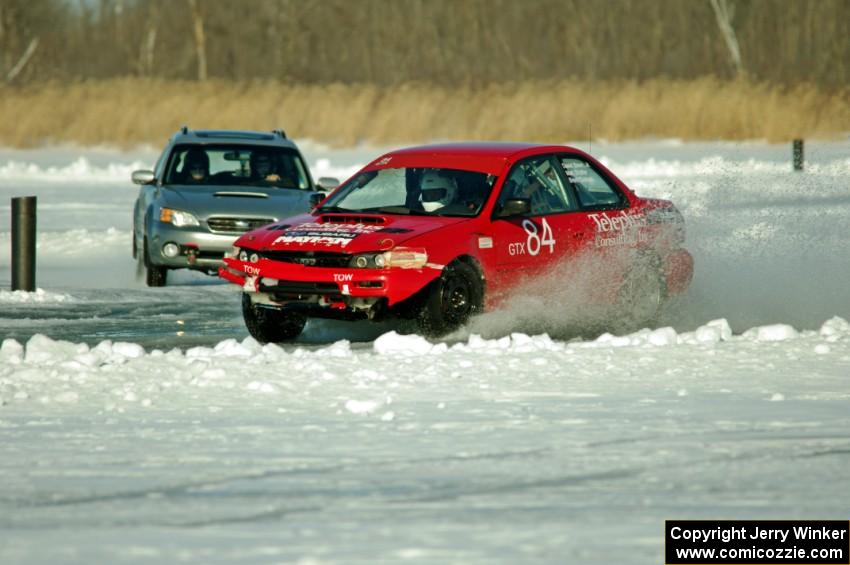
[[141, 425]]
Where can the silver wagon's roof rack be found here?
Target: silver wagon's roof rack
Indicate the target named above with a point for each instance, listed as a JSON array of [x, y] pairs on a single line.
[[279, 132], [184, 129]]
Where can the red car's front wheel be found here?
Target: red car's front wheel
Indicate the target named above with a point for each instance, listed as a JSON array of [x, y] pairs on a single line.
[[451, 300], [271, 325]]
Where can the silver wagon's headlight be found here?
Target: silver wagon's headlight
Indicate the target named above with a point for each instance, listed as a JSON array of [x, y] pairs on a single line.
[[177, 218]]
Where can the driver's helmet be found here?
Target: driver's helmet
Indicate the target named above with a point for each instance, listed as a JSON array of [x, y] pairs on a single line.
[[196, 164], [437, 190], [261, 164]]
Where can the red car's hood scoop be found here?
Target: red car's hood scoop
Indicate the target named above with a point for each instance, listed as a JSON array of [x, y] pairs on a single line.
[[349, 233], [351, 219]]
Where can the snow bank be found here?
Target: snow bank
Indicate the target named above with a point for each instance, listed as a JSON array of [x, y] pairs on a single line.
[[65, 372], [325, 168], [835, 327], [392, 343], [39, 295], [80, 169], [774, 332], [41, 350], [80, 242], [714, 166], [714, 331]]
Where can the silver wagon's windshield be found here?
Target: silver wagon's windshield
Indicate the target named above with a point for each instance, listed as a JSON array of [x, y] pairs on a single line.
[[431, 191], [236, 165]]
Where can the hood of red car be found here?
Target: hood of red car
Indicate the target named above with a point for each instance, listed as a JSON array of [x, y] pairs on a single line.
[[348, 233]]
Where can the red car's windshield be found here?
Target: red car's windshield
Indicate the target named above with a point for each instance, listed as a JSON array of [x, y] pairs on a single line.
[[432, 191]]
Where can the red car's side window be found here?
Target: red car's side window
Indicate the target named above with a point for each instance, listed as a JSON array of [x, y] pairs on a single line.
[[593, 190], [537, 180]]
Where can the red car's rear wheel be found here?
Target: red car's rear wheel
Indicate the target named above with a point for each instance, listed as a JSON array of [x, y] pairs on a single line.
[[642, 295]]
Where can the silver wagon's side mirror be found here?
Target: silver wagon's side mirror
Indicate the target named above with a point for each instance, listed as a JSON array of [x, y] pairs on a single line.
[[327, 183], [143, 177], [316, 198]]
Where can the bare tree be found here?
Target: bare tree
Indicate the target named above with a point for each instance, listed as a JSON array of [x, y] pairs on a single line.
[[200, 39], [22, 62], [441, 41], [149, 39], [724, 13]]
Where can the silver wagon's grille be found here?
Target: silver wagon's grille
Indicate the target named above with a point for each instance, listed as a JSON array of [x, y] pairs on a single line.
[[236, 225]]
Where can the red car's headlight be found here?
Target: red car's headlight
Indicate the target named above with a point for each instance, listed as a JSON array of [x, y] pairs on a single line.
[[406, 257], [245, 255], [400, 258]]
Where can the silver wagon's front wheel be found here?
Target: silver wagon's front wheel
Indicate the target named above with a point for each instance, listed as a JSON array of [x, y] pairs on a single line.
[[155, 276]]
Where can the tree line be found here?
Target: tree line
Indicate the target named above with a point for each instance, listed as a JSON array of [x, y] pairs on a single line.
[[446, 42]]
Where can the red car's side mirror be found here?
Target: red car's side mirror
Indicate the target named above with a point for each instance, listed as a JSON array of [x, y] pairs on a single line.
[[515, 207]]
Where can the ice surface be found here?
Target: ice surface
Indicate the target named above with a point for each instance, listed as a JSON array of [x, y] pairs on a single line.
[[143, 425], [514, 449]]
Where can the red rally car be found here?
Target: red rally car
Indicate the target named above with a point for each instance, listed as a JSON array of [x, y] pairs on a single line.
[[441, 232]]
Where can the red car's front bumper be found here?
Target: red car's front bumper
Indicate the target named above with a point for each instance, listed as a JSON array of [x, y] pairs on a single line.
[[394, 284]]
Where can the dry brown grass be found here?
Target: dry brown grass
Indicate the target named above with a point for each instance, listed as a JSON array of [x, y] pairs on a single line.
[[132, 111]]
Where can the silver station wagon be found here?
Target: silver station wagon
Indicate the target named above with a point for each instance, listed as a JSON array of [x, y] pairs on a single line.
[[208, 188]]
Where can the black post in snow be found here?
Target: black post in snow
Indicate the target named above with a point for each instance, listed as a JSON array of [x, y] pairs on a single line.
[[797, 154], [23, 243]]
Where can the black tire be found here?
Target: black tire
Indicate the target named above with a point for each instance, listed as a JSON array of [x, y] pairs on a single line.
[[268, 325], [451, 300], [642, 295], [155, 276]]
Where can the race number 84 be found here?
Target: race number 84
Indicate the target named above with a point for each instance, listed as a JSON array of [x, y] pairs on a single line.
[[536, 240]]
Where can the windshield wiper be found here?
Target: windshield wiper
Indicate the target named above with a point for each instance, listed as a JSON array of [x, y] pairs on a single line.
[[397, 210], [333, 209]]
